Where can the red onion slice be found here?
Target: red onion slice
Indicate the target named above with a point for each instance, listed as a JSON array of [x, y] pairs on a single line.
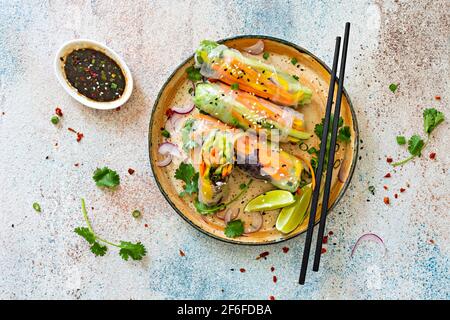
[[369, 237], [231, 214], [169, 148], [183, 110], [257, 48], [255, 223], [165, 162]]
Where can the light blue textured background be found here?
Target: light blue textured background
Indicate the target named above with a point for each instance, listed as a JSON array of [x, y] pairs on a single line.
[[40, 257]]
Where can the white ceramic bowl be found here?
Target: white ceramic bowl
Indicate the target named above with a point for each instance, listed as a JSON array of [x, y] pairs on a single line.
[[72, 45]]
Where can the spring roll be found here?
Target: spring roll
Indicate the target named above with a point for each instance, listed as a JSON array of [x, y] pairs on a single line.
[[217, 61], [246, 111]]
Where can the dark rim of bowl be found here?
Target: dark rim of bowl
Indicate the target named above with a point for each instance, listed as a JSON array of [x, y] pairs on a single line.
[[341, 193]]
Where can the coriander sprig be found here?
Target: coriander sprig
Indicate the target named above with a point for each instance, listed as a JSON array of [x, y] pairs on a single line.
[[128, 250], [431, 119]]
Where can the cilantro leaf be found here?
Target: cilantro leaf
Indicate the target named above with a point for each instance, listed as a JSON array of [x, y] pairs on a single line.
[[294, 61], [401, 140], [344, 134], [431, 119], [165, 133], [266, 55], [235, 86], [415, 145], [131, 250], [313, 150], [393, 87], [106, 178], [193, 74], [234, 229], [186, 173], [86, 234], [98, 249]]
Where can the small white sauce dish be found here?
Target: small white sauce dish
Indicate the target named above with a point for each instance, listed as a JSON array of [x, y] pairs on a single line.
[[72, 45]]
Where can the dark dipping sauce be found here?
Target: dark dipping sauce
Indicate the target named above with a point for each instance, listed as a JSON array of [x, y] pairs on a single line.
[[94, 75]]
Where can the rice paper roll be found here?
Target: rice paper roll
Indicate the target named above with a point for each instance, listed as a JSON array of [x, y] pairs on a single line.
[[211, 151], [248, 112], [217, 61]]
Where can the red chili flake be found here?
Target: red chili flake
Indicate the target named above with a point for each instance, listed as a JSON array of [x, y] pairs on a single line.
[[71, 130], [285, 249], [388, 159], [330, 233], [274, 278], [242, 270], [395, 196], [432, 241], [146, 225], [325, 240], [118, 109], [130, 171], [386, 200], [433, 155], [387, 175], [271, 298], [437, 97], [272, 269], [323, 250], [182, 253], [262, 255], [58, 112], [402, 189], [79, 136], [385, 187], [169, 113], [76, 164]]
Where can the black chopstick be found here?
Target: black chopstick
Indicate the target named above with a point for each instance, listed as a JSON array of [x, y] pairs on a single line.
[[337, 112], [315, 198]]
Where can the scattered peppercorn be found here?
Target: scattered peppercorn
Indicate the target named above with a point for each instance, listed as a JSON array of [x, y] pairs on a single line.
[[272, 269]]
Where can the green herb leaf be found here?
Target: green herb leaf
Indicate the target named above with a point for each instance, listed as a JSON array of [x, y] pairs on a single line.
[[37, 207], [242, 186], [234, 229], [235, 86], [135, 251], [431, 119], [344, 134], [113, 85], [186, 173], [415, 145], [266, 55], [313, 150], [106, 178], [314, 163], [98, 249], [294, 61], [165, 133], [193, 74], [136, 214], [393, 87], [295, 77], [401, 140]]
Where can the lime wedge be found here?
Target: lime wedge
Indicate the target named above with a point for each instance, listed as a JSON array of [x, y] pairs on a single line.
[[270, 200], [290, 217]]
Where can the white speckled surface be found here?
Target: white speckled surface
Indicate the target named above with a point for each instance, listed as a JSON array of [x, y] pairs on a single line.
[[41, 257]]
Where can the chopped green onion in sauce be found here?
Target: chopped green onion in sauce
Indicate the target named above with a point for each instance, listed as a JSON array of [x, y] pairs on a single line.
[[94, 75]]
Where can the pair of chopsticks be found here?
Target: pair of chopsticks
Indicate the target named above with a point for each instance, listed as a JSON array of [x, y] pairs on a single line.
[[329, 172]]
